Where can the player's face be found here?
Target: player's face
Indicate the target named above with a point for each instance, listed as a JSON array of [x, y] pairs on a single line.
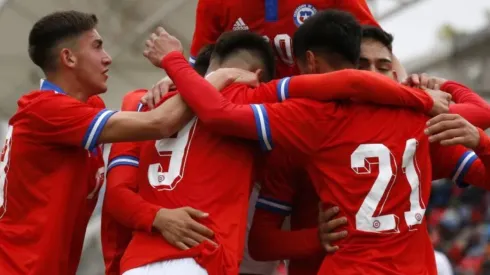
[[92, 62], [375, 57]]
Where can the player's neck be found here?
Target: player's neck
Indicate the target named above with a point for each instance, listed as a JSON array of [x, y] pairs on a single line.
[[69, 85]]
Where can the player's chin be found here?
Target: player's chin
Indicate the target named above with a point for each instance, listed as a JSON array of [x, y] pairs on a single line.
[[102, 88]]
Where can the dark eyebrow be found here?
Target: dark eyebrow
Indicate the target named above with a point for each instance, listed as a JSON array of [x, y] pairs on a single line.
[[384, 60]]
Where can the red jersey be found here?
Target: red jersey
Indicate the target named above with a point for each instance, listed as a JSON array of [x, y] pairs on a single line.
[[379, 176], [287, 191], [187, 170], [114, 235], [275, 20], [51, 172]]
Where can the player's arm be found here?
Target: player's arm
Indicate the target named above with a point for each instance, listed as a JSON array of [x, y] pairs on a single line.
[[267, 241], [209, 25], [466, 163], [468, 104], [247, 121]]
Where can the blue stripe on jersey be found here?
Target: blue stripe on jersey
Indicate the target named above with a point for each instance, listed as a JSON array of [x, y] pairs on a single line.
[[192, 60], [140, 107], [283, 89], [123, 161], [95, 129], [263, 128], [273, 206], [462, 167], [271, 10]]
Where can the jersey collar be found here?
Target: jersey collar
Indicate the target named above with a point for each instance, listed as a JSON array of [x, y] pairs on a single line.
[[48, 86]]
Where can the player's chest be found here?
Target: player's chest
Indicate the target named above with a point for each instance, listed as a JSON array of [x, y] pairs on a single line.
[[272, 17]]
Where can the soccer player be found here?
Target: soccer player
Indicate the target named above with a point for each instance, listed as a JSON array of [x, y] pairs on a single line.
[[164, 180], [116, 236], [285, 192], [51, 166], [340, 143]]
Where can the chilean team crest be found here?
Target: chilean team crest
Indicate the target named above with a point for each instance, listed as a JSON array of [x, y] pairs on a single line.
[[302, 13]]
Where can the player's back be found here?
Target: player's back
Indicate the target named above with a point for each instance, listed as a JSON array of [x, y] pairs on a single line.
[[203, 170], [44, 203], [375, 166]]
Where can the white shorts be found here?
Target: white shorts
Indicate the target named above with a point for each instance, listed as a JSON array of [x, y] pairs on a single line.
[[186, 266]]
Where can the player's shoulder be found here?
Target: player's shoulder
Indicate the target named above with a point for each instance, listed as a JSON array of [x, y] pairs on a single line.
[[132, 100]]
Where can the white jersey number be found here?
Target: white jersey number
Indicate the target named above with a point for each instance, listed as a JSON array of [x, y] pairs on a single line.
[[284, 47], [365, 219], [174, 148], [4, 167]]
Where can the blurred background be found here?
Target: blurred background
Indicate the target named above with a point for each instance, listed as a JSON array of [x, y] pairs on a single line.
[[447, 38]]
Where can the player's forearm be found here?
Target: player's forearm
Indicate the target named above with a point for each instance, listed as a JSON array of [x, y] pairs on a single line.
[[267, 242], [124, 204], [479, 172], [468, 104], [210, 106], [355, 85], [159, 123]]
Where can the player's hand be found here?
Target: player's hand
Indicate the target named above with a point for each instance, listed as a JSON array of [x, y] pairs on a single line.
[[327, 224], [452, 129], [424, 81], [159, 45], [180, 228], [441, 101], [155, 94]]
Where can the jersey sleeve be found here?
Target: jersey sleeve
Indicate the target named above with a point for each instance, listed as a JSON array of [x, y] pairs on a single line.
[[209, 26], [60, 119], [278, 187], [355, 85], [464, 167], [360, 10], [290, 124], [468, 104]]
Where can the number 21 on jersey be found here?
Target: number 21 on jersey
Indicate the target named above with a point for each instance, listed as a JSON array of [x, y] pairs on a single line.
[[175, 149], [365, 219], [4, 166]]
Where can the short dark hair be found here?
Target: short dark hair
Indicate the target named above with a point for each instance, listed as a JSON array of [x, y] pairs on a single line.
[[203, 59], [329, 32], [234, 41], [53, 29], [378, 34]]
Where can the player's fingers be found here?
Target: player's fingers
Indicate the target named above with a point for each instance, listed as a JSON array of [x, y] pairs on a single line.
[[443, 126], [200, 238], [194, 213], [327, 215], [158, 92], [453, 141], [153, 37], [332, 237], [201, 229], [161, 31], [189, 242], [148, 43], [333, 224], [448, 134], [414, 80], [149, 99], [424, 80], [146, 53], [181, 245], [441, 117], [331, 249]]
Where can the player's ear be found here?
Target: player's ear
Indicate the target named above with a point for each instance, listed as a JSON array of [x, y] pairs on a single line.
[[260, 74], [310, 62], [395, 76], [68, 58]]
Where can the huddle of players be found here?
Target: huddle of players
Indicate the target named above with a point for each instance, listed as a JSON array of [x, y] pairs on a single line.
[[211, 172], [272, 123]]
